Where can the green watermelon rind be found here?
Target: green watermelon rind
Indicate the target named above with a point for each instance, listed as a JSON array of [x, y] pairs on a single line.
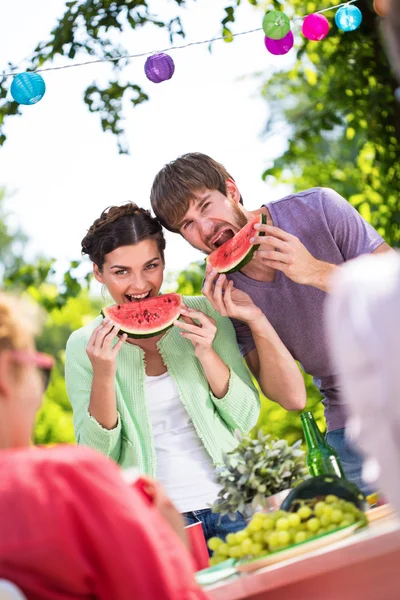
[[247, 257], [137, 335]]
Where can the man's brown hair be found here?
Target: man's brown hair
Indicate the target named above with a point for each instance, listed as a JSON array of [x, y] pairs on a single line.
[[175, 186]]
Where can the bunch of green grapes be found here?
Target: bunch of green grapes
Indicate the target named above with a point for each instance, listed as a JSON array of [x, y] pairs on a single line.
[[269, 532]]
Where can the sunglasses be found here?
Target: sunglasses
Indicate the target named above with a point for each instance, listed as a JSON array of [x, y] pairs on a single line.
[[43, 362]]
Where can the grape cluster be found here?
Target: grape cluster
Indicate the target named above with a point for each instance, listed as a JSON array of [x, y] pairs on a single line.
[[268, 532]]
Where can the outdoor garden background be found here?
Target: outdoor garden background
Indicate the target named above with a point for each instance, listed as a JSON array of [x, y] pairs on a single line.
[[334, 105]]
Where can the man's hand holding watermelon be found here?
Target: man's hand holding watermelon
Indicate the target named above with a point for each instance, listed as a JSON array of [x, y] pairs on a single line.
[[266, 363], [284, 252]]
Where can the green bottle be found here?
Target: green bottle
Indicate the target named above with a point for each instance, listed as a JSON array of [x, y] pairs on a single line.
[[321, 458]]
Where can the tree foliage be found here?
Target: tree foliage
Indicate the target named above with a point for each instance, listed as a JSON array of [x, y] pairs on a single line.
[[338, 110], [54, 420], [90, 28]]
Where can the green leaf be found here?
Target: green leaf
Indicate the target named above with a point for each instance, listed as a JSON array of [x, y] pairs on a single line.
[[227, 34]]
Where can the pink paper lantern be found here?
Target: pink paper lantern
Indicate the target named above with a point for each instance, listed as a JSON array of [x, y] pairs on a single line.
[[315, 27], [279, 47]]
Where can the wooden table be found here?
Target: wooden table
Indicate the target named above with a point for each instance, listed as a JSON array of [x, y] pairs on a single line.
[[365, 566]]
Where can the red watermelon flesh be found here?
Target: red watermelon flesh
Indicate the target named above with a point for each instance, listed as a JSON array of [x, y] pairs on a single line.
[[145, 318], [235, 253]]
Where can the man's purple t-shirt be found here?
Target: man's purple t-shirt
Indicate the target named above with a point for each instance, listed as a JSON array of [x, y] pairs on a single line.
[[332, 231]]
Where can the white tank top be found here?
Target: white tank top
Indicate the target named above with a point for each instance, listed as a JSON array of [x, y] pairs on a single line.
[[184, 467]]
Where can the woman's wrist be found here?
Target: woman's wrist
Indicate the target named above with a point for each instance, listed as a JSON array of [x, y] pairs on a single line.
[[205, 354], [105, 376], [216, 371]]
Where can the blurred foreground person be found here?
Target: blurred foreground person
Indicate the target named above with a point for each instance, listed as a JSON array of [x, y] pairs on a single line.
[[363, 321], [70, 527]]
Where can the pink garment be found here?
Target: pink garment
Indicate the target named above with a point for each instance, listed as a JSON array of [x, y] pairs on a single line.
[[363, 326], [71, 528]]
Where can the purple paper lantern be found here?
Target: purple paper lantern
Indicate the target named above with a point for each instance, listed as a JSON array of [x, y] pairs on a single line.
[[279, 47], [315, 27], [159, 67]]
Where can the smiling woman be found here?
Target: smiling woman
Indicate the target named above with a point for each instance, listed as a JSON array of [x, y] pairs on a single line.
[[131, 276], [168, 404]]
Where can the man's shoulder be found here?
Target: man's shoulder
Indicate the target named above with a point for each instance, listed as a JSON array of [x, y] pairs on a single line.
[[312, 195], [315, 206]]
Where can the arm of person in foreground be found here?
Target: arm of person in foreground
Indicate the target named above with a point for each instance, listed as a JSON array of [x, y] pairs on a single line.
[[92, 392], [231, 388], [270, 361], [128, 547], [285, 252]]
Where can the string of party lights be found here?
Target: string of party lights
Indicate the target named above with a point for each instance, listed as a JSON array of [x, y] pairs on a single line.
[[29, 87]]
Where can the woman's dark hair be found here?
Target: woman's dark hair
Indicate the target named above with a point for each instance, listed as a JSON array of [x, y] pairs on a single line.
[[121, 226]]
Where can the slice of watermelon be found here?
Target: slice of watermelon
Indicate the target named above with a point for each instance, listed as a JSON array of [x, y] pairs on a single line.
[[145, 318], [235, 253]]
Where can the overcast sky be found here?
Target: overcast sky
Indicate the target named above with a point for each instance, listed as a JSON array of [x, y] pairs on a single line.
[[64, 170]]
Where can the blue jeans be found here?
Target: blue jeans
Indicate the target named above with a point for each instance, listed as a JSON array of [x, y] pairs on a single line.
[[213, 524], [350, 458]]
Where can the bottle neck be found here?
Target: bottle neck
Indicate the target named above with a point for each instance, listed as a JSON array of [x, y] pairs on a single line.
[[312, 434]]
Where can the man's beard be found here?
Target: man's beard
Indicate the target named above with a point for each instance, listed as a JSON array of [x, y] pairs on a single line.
[[228, 229]]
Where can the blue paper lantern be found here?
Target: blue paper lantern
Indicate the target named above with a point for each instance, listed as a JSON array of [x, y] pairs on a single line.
[[348, 18], [28, 88], [159, 67]]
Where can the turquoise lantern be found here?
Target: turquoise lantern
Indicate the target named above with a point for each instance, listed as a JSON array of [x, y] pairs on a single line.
[[348, 17], [28, 88]]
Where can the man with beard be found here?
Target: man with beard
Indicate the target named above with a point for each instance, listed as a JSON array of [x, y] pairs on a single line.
[[307, 237]]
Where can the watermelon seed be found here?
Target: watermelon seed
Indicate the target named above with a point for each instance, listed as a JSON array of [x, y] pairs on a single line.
[[118, 307]]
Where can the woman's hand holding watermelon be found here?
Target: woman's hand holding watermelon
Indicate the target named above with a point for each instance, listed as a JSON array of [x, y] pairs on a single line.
[[202, 334], [100, 349], [229, 301]]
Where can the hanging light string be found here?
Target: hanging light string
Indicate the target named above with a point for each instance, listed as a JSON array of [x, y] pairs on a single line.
[[330, 8], [169, 49]]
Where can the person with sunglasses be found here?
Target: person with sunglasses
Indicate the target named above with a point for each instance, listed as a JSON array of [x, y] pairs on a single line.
[[70, 525]]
